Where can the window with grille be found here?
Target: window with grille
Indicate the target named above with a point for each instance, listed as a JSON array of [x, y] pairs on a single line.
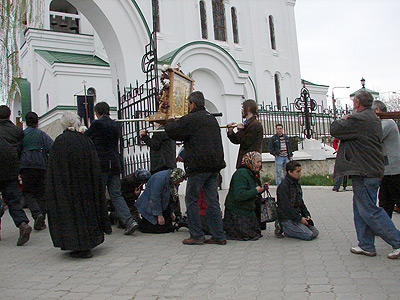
[[235, 25], [219, 20], [156, 16], [203, 19], [272, 32]]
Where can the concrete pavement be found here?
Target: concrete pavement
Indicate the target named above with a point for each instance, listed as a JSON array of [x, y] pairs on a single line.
[[150, 267]]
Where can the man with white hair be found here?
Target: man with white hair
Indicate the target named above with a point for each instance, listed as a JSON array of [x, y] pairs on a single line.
[[389, 192]]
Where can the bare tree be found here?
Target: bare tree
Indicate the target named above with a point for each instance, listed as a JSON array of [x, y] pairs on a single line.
[[392, 101], [14, 16]]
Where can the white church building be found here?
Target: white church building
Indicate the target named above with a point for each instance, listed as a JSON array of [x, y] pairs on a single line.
[[233, 49]]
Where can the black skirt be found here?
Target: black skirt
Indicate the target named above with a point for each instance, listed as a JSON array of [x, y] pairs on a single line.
[[241, 228]]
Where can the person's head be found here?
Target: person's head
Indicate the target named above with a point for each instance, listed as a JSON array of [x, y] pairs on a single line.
[[249, 108], [379, 106], [102, 109], [361, 100], [32, 119], [252, 160], [177, 176], [142, 175], [196, 99], [293, 168], [279, 129], [70, 120], [5, 112]]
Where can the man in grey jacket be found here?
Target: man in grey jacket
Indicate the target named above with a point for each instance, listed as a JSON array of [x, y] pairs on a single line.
[[389, 192], [360, 155]]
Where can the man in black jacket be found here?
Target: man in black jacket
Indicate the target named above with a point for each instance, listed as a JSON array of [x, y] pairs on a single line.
[[204, 158], [294, 218], [105, 134], [10, 137], [279, 146], [162, 150]]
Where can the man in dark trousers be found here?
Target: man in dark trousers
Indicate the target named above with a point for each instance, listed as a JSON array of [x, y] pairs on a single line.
[[162, 150], [10, 137], [105, 134], [249, 134], [360, 155], [35, 148], [279, 146], [204, 158], [389, 191]]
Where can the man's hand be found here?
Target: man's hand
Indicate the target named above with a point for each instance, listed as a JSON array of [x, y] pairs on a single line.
[[161, 220], [304, 221], [240, 126], [260, 189], [143, 132], [345, 117], [230, 127], [173, 217]]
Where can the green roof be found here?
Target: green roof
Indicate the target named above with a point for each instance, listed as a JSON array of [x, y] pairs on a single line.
[[71, 58], [25, 93], [303, 81], [364, 89]]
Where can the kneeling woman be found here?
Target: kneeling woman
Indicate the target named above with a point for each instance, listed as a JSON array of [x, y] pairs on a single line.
[[240, 221], [157, 202]]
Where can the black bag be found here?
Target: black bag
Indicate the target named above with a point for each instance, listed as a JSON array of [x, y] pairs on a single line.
[[269, 212]]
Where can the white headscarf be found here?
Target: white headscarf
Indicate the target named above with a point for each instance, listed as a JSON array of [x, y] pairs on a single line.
[[70, 121]]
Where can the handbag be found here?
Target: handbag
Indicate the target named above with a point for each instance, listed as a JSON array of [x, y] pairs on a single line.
[[269, 212]]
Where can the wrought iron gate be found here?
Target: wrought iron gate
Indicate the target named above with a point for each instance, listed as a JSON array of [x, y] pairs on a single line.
[[138, 101]]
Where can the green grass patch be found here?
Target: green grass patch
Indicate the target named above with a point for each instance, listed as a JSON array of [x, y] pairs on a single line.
[[314, 180]]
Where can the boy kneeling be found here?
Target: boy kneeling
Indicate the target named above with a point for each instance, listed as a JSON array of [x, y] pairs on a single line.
[[294, 218]]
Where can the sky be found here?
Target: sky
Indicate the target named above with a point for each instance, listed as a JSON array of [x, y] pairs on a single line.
[[341, 41]]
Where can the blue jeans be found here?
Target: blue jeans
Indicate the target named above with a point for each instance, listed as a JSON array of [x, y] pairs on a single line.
[[113, 184], [370, 219], [12, 197], [207, 182], [299, 231], [280, 164]]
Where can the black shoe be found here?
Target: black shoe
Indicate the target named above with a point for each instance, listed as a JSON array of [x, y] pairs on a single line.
[[278, 231], [39, 222], [336, 189], [81, 254]]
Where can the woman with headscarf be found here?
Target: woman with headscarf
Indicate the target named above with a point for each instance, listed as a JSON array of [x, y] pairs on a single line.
[[156, 204], [240, 221], [76, 204]]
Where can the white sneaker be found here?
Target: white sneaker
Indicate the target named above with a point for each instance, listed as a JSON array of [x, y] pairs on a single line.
[[394, 254], [358, 250]]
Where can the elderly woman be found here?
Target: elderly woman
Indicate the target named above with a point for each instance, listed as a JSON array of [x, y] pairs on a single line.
[[76, 203], [157, 202], [240, 221]]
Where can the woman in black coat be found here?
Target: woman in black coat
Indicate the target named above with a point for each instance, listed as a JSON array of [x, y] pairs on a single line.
[[76, 203]]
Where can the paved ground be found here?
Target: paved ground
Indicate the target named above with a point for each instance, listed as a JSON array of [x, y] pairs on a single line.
[[149, 267]]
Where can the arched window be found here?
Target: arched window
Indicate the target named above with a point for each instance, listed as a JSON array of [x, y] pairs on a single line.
[[277, 91], [203, 20], [64, 17], [156, 15], [272, 32], [219, 20], [235, 25]]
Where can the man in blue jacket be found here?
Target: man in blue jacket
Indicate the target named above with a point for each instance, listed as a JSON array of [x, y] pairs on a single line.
[[35, 148], [105, 134]]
